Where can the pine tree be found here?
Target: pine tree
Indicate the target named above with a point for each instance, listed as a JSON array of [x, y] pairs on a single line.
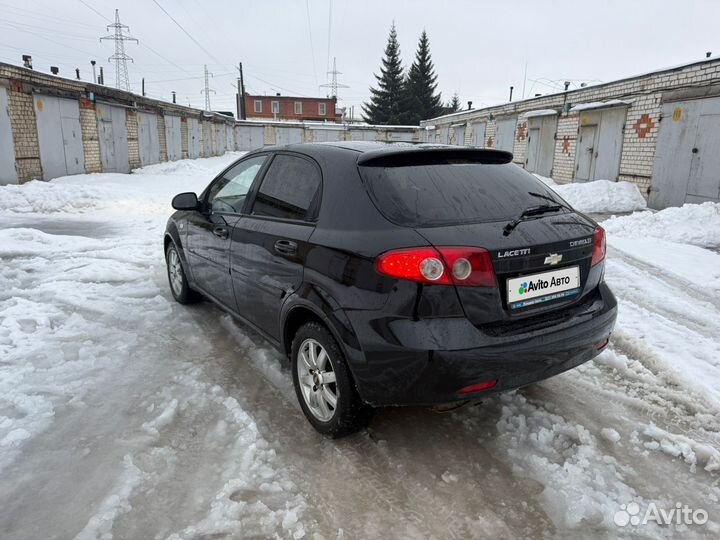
[[385, 101], [454, 104], [421, 100]]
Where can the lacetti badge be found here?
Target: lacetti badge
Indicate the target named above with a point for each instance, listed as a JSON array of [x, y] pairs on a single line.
[[513, 253], [553, 258]]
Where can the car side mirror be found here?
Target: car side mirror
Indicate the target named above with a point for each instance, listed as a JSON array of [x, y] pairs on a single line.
[[185, 201]]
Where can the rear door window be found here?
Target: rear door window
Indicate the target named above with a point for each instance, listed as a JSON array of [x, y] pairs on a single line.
[[289, 190], [453, 192]]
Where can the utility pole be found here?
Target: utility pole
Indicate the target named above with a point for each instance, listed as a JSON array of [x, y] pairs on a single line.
[[207, 89], [241, 94], [334, 85], [122, 80]]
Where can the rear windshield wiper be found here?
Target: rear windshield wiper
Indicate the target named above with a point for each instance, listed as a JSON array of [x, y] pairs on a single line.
[[546, 197], [531, 211]]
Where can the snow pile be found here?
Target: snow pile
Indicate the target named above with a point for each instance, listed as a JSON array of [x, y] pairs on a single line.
[[582, 485], [187, 167], [46, 197], [692, 452], [599, 196], [697, 224]]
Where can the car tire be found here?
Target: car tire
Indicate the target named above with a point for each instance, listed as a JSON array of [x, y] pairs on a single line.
[[179, 286], [349, 414]]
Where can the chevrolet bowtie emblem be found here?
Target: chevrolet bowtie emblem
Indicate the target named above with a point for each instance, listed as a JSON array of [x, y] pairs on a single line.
[[553, 258]]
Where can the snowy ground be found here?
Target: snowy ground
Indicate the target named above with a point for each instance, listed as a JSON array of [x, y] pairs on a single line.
[[126, 415]]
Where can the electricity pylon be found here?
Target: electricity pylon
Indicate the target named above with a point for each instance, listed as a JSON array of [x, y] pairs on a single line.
[[122, 80]]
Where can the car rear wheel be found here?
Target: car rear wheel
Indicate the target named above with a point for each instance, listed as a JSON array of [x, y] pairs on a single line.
[[323, 383], [179, 286]]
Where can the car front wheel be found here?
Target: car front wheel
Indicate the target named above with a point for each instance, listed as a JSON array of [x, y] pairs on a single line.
[[179, 286], [323, 383]]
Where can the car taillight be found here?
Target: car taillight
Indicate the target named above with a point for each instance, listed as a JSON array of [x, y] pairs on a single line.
[[462, 266], [599, 246]]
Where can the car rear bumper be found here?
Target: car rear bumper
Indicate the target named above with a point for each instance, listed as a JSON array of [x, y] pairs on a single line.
[[426, 362]]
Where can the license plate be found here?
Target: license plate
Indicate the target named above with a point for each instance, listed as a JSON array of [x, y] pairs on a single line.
[[525, 291]]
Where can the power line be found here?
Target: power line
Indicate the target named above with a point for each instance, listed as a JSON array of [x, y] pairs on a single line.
[[186, 32], [122, 80], [327, 63], [145, 46], [312, 47], [93, 9]]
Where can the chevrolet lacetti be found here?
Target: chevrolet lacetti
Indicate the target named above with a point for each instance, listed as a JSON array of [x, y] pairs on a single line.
[[395, 274]]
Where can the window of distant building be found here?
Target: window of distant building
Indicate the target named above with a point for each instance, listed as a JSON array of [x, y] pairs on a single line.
[[298, 107], [275, 107], [322, 109], [258, 105]]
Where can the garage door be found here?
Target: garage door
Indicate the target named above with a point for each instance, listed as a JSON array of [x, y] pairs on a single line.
[[442, 135], [505, 135], [459, 135], [112, 133], [220, 139], [173, 137], [193, 138], [325, 135], [230, 137], [148, 138], [687, 160], [599, 144], [207, 136], [8, 174], [363, 135], [541, 144], [400, 136], [250, 137], [288, 135], [478, 134], [59, 135]]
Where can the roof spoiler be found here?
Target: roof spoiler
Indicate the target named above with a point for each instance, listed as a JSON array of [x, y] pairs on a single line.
[[418, 155]]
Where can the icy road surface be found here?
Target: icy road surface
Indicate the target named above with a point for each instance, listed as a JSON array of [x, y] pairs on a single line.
[[125, 415]]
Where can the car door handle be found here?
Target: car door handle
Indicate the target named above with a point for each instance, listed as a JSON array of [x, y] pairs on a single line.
[[286, 247], [220, 232]]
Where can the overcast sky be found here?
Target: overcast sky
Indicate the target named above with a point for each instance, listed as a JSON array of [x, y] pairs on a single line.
[[479, 48]]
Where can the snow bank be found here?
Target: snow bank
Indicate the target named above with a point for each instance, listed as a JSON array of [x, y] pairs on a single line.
[[683, 262], [697, 224], [46, 197], [582, 485], [599, 196]]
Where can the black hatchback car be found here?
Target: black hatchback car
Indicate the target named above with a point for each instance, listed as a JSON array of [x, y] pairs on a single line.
[[395, 274]]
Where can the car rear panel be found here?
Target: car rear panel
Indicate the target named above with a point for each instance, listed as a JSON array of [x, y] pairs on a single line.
[[521, 253]]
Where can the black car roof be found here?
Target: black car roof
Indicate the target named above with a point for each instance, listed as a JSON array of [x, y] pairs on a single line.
[[377, 153]]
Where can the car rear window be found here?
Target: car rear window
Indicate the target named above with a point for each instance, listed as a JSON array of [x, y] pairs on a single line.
[[453, 192]]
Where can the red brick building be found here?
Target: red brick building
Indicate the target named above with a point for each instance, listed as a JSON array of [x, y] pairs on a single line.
[[291, 108]]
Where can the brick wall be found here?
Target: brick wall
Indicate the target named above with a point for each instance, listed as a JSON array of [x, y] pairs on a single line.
[[490, 133], [639, 141], [90, 139], [563, 170], [520, 144], [184, 137], [24, 129], [132, 134], [162, 138]]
